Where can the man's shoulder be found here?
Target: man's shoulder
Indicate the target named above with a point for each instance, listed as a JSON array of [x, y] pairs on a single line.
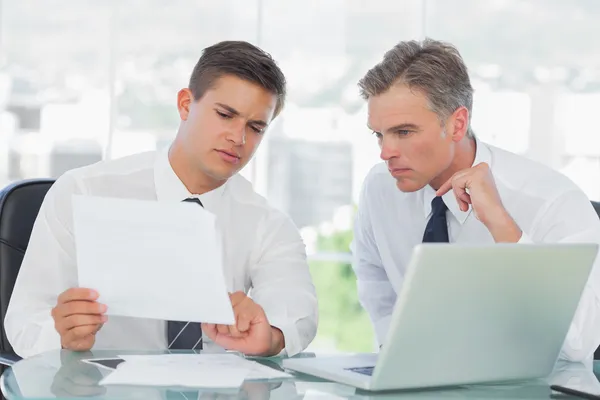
[[246, 199], [528, 176], [106, 177], [118, 166]]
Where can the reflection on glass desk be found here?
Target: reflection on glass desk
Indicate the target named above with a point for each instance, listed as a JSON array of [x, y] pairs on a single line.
[[62, 374]]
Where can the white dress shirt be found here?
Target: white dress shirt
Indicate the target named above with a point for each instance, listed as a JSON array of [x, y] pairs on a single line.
[[546, 205], [263, 254]]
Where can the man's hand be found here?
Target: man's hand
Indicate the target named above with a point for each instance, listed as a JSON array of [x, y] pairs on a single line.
[[252, 334], [475, 186], [77, 318]]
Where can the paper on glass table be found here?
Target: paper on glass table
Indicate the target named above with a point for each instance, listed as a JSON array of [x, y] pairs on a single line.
[[255, 370], [147, 374], [151, 259], [189, 370]]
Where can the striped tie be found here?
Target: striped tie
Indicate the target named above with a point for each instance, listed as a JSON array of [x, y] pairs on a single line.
[[182, 335]]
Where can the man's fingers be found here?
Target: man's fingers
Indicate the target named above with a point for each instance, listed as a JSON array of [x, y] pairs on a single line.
[[73, 321], [458, 183], [98, 327], [80, 332], [243, 323], [245, 309], [78, 307], [77, 294], [461, 188], [466, 198], [234, 332], [237, 297], [223, 329], [229, 342], [210, 330], [462, 198], [457, 180], [214, 330], [82, 344], [444, 188]]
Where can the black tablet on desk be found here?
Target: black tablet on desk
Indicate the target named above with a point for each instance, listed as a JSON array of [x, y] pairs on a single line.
[[106, 363]]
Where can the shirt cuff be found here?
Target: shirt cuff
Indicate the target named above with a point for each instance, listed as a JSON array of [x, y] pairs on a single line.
[[38, 338], [525, 239], [293, 345]]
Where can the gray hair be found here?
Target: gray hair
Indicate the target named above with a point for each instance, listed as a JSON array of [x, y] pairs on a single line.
[[433, 67]]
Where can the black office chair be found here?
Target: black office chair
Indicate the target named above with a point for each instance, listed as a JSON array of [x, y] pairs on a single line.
[[19, 205]]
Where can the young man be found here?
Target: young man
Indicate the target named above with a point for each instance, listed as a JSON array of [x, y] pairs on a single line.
[[439, 183], [235, 91]]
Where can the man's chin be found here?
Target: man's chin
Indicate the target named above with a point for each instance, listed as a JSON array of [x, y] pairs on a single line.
[[222, 176], [219, 175], [409, 185]]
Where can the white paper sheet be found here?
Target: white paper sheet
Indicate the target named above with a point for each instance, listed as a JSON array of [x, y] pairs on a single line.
[[189, 370], [254, 370], [140, 373], [151, 259]]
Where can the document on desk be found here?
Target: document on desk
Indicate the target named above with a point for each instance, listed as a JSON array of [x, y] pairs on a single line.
[[151, 259], [191, 370], [254, 370]]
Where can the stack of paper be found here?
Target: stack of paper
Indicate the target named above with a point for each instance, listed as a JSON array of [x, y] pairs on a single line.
[[189, 370]]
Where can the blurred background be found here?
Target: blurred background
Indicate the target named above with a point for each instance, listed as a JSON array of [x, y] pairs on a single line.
[[86, 80]]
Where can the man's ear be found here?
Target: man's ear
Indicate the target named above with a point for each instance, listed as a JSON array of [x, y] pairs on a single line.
[[459, 124], [184, 101]]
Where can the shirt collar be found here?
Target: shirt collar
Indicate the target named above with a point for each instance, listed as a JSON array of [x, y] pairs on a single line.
[[482, 154], [169, 187]]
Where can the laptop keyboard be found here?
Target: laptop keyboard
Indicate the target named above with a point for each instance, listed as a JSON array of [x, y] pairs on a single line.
[[362, 370]]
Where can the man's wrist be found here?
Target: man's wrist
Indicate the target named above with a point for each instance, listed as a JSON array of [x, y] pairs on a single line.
[[504, 229], [277, 341]]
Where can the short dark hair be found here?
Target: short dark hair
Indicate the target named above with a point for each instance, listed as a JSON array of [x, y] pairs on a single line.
[[240, 59]]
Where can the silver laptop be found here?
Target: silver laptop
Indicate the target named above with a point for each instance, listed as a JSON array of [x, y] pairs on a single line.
[[471, 314]]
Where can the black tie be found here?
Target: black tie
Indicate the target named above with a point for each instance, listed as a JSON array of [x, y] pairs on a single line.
[[437, 228], [185, 335]]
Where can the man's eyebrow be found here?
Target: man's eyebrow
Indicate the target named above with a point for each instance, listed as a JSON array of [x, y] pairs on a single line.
[[400, 127], [228, 108], [237, 113], [259, 122], [404, 127]]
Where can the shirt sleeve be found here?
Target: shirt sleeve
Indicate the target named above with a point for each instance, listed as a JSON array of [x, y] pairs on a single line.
[[48, 269], [375, 291], [571, 219], [282, 284]]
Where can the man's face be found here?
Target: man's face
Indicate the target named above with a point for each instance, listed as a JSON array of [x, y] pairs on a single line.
[[222, 130], [414, 144]]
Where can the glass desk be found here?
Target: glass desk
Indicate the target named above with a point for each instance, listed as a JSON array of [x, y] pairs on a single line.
[[61, 374]]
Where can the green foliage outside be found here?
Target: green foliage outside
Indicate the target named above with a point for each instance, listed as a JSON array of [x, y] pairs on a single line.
[[343, 323]]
